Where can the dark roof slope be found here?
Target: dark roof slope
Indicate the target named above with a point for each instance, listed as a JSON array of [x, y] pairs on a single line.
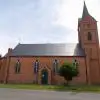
[[86, 13], [48, 50]]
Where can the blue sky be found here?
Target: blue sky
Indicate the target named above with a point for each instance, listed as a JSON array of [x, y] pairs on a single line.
[[42, 21]]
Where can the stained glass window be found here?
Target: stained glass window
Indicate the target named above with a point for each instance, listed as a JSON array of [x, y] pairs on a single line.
[[55, 66], [36, 66], [75, 63], [17, 66]]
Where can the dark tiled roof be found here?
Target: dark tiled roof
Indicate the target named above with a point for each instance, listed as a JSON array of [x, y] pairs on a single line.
[[55, 49]]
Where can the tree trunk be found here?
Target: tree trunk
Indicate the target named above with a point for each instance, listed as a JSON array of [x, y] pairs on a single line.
[[67, 83]]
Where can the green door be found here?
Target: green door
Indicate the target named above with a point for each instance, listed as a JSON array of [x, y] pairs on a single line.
[[44, 79]]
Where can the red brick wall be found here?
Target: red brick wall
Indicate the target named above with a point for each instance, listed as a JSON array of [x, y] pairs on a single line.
[[2, 69], [27, 74]]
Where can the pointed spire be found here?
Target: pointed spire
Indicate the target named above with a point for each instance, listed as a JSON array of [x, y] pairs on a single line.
[[85, 11]]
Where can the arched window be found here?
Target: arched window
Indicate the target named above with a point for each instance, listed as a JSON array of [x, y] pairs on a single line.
[[75, 63], [55, 66], [17, 66], [76, 66], [36, 66], [89, 36]]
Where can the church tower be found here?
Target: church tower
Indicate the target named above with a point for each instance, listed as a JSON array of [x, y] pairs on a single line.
[[89, 41]]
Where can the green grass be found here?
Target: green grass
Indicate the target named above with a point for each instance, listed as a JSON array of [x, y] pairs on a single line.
[[74, 88]]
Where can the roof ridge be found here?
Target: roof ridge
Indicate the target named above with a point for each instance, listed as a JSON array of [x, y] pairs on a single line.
[[46, 43]]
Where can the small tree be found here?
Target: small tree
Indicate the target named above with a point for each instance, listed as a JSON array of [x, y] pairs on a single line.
[[68, 71]]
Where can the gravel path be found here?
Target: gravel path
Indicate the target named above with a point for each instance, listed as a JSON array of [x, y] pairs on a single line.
[[17, 94]]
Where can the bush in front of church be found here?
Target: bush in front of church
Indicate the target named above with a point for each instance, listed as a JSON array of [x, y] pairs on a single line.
[[68, 71]]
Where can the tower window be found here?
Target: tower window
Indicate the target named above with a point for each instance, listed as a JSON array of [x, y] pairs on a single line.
[[89, 36]]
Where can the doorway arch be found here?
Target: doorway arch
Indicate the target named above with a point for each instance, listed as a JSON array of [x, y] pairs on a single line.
[[44, 76], [46, 67]]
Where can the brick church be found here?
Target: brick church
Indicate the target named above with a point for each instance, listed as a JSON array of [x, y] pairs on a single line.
[[38, 63]]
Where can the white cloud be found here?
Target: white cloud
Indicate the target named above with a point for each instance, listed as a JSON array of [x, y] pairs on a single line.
[[36, 21]]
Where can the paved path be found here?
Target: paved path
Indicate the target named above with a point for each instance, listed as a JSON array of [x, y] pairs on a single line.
[[15, 94]]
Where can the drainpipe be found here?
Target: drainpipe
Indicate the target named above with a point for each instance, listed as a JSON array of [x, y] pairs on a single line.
[[8, 64], [8, 70], [86, 72]]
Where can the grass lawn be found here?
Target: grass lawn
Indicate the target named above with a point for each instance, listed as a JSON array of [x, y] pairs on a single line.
[[82, 88]]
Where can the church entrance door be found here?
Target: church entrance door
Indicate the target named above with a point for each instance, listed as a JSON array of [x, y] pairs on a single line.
[[44, 78]]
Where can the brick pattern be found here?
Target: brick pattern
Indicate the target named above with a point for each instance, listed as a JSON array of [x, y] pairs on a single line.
[[27, 74]]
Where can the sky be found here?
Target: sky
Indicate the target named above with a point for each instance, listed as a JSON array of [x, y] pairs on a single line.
[[42, 21]]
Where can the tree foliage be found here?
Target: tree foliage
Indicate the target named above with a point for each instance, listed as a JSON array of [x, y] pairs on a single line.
[[68, 71]]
